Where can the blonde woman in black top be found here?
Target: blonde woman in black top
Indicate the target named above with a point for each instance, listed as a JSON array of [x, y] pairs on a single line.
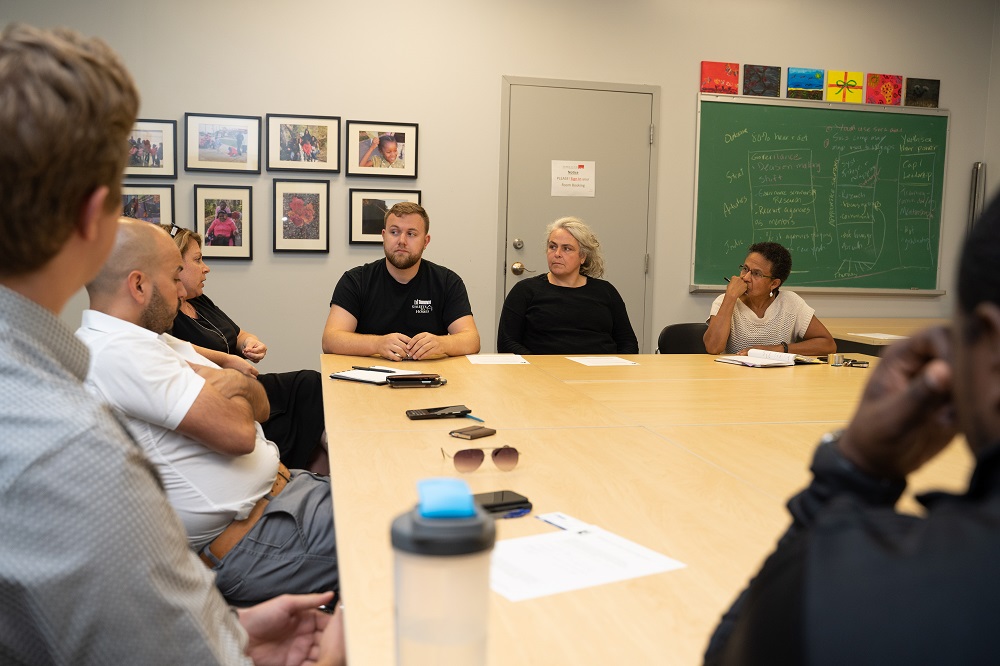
[[568, 310]]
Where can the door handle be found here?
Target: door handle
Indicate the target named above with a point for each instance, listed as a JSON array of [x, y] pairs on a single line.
[[517, 268]]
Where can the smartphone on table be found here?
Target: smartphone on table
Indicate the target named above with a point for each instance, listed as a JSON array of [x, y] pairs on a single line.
[[502, 501], [450, 412]]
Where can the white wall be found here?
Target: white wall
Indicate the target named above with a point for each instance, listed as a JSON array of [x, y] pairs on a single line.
[[439, 64], [992, 121]]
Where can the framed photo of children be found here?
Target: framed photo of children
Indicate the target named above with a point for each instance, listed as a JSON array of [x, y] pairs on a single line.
[[381, 149], [224, 218], [222, 143], [303, 143], [301, 215], [368, 209], [152, 149], [150, 203]]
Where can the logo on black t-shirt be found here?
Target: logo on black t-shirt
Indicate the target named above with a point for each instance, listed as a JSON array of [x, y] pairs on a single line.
[[422, 307]]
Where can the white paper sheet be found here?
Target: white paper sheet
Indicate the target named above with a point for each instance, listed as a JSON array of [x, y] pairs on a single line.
[[571, 559], [496, 359], [881, 336], [601, 360]]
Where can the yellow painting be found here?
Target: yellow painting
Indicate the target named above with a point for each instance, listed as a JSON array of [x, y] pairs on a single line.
[[844, 86]]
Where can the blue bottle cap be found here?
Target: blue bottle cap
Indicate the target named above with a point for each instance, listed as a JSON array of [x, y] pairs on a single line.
[[447, 521], [445, 498]]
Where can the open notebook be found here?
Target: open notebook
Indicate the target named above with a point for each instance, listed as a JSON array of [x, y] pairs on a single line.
[[760, 358]]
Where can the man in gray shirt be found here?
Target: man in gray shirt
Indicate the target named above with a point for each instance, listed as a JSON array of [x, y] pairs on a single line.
[[94, 564]]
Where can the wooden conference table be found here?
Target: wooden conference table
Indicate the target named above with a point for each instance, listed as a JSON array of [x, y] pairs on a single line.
[[691, 458], [873, 335]]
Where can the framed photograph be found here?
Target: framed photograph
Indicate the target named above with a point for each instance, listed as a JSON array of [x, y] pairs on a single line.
[[150, 203], [152, 149], [224, 218], [301, 215], [221, 143], [303, 143], [381, 149], [368, 209]]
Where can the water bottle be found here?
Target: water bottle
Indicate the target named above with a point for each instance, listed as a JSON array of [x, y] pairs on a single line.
[[442, 577]]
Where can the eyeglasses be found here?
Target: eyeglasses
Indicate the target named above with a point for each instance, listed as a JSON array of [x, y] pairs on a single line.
[[469, 460], [755, 273]]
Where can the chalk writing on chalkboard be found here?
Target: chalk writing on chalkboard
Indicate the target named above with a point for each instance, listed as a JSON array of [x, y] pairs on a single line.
[[854, 195]]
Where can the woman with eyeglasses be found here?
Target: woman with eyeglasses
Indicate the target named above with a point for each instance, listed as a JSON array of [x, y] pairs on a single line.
[[568, 310], [754, 313]]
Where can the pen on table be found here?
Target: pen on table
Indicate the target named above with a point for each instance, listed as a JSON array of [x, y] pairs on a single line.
[[361, 367], [474, 418], [516, 513]]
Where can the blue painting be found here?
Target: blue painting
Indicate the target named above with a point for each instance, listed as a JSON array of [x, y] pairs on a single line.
[[805, 83]]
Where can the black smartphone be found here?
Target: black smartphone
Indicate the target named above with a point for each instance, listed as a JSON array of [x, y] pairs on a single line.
[[415, 381], [502, 501], [453, 411]]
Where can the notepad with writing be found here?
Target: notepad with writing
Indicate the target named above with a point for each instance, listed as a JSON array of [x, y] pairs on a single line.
[[376, 375], [761, 358]]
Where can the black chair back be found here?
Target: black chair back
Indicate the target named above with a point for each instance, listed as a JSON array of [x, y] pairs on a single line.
[[682, 339]]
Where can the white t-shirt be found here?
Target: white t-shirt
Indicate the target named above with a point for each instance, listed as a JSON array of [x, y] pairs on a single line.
[[147, 379], [785, 320]]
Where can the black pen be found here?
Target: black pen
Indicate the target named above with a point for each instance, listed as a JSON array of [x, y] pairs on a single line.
[[726, 279], [359, 367]]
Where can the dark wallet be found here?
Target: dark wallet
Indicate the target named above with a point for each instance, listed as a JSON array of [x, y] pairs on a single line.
[[473, 432]]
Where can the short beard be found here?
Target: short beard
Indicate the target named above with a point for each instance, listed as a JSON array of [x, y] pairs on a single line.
[[158, 316], [401, 263]]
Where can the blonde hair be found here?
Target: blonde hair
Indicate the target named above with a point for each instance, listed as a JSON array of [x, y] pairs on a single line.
[[590, 247], [408, 208], [67, 105], [182, 237]]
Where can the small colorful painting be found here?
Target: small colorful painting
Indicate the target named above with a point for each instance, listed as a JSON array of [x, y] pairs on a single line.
[[805, 83], [843, 86], [884, 89], [720, 77], [761, 80], [922, 92]]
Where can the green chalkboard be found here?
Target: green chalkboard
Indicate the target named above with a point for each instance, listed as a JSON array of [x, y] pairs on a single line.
[[854, 192]]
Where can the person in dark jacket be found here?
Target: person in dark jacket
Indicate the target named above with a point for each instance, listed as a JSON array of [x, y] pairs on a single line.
[[853, 581]]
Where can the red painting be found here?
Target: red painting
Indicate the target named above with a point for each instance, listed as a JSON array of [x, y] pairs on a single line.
[[884, 89], [720, 77]]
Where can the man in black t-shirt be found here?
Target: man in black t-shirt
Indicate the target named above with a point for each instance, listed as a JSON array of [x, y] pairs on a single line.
[[404, 307]]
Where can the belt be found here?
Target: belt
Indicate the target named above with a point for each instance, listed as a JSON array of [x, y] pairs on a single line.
[[238, 529]]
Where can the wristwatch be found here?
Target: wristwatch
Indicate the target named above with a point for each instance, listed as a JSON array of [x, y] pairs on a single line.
[[831, 437], [891, 487], [785, 345]]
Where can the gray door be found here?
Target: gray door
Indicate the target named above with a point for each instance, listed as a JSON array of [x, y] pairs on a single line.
[[607, 125]]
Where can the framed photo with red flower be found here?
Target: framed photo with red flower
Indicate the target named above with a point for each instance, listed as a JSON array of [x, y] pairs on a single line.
[[301, 215], [368, 209], [224, 218], [303, 143]]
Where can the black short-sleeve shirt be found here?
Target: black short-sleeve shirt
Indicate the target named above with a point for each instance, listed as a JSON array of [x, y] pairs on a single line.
[[430, 302]]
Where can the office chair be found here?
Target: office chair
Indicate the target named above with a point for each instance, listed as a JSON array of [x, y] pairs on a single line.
[[682, 339]]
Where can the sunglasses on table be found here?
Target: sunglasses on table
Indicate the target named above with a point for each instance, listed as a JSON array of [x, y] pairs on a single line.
[[469, 460]]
